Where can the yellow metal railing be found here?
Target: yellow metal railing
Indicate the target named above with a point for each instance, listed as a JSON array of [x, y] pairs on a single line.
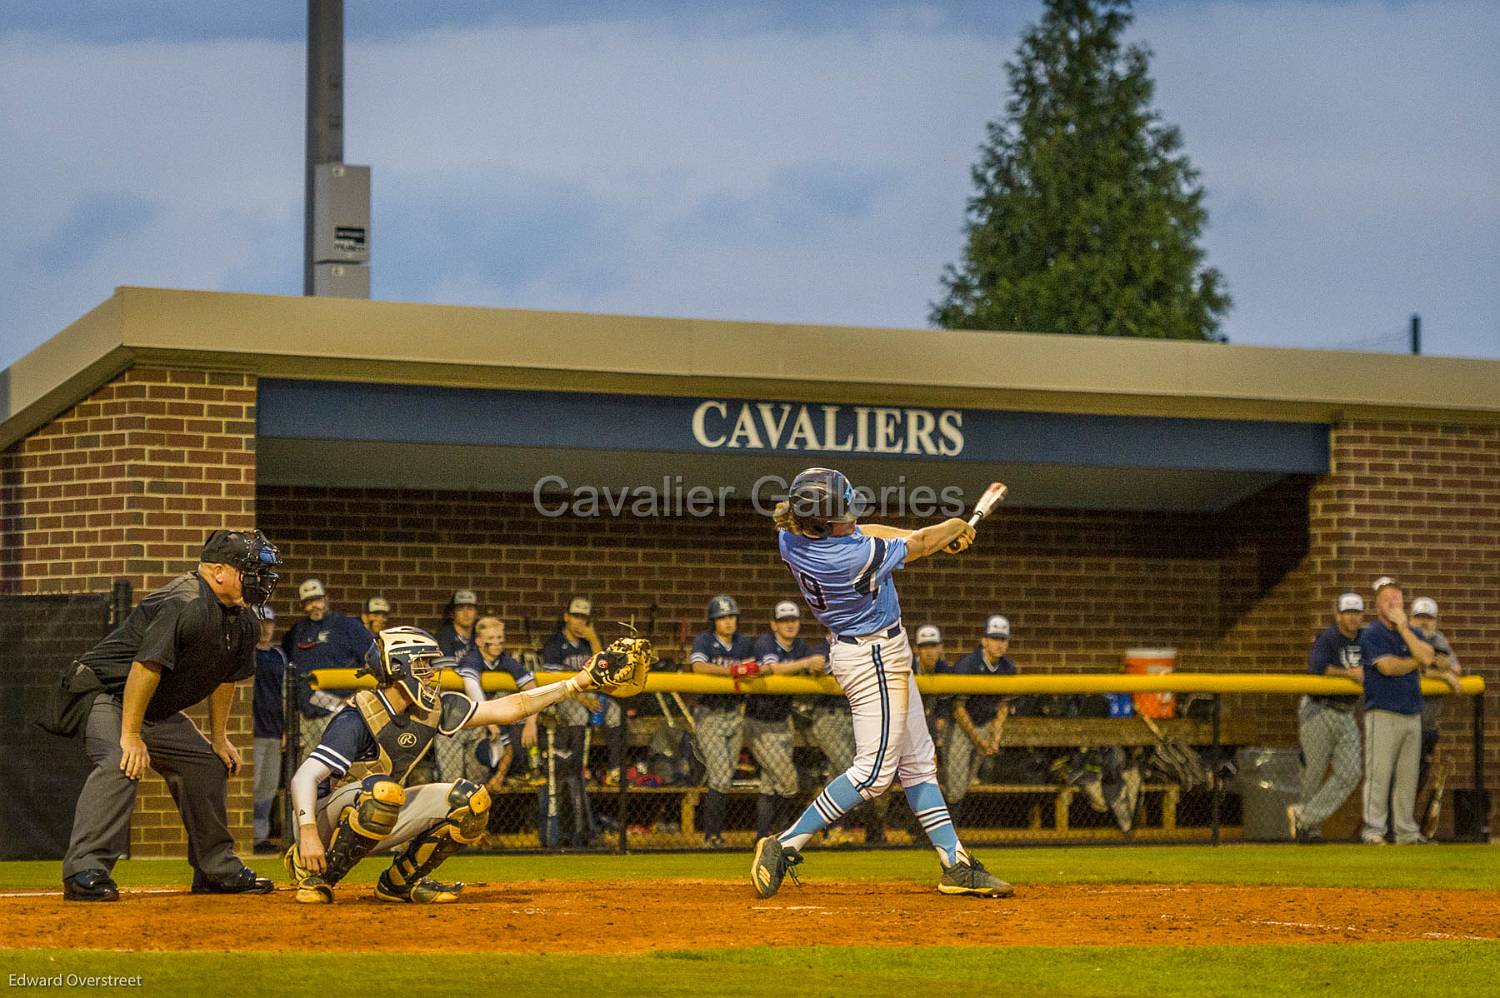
[[1094, 682]]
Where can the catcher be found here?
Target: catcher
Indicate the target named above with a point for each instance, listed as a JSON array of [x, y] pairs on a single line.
[[375, 742]]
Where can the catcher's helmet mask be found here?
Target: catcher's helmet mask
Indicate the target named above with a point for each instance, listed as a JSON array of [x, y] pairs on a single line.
[[821, 497], [258, 575], [407, 657]]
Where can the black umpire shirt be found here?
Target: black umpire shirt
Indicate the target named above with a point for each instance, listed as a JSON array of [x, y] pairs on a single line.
[[198, 642]]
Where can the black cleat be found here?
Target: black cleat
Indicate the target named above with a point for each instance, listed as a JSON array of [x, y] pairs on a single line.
[[90, 885], [244, 881]]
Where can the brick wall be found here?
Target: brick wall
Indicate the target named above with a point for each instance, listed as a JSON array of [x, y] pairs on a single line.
[[1244, 590], [125, 485], [1421, 502]]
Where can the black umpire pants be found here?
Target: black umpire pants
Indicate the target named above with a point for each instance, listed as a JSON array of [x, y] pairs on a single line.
[[197, 778]]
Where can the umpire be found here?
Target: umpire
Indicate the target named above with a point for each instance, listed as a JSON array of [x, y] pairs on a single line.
[[192, 639]]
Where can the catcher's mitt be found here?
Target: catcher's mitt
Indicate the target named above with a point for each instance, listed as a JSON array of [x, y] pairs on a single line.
[[620, 670]]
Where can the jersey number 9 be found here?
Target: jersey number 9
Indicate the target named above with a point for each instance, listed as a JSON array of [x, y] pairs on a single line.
[[812, 591]]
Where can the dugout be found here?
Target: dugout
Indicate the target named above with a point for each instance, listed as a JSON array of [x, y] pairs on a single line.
[[1214, 498]]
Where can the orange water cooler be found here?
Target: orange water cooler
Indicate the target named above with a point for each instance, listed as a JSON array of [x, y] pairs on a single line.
[[1152, 662]]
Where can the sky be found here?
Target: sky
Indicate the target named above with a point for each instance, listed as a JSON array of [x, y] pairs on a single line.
[[780, 161]]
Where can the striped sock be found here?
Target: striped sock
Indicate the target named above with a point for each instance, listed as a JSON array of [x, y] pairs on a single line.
[[927, 804], [829, 806]]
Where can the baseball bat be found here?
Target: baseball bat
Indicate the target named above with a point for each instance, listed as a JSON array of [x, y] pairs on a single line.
[[1435, 806], [661, 702], [554, 832], [987, 501], [686, 714]]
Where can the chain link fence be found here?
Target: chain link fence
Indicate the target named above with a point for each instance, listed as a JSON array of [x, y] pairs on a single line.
[[1046, 769]]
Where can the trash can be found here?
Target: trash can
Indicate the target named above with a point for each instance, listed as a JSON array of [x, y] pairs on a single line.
[[1269, 779]]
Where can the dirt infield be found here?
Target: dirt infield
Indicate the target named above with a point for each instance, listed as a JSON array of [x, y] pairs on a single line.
[[631, 917]]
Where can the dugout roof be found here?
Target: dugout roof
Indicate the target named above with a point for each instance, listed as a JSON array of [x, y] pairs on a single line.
[[389, 394]]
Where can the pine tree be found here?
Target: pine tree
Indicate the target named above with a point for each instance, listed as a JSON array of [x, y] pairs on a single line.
[[1087, 212]]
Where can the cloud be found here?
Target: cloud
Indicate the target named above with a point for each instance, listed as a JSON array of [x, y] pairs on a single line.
[[782, 162], [805, 201], [94, 221]]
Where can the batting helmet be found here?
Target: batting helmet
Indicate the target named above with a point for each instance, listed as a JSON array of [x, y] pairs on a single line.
[[407, 657], [722, 606], [819, 498]]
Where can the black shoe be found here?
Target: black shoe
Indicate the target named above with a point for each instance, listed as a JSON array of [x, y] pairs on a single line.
[[265, 847], [242, 882], [90, 885]]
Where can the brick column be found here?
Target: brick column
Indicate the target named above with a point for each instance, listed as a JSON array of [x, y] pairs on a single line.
[[126, 485]]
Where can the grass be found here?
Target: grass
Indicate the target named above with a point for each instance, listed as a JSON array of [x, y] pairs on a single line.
[[1475, 867], [1374, 970]]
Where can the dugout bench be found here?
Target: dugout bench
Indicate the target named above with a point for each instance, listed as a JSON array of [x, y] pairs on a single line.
[[1159, 814]]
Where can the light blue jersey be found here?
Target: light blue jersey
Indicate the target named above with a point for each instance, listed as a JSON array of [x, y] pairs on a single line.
[[847, 580]]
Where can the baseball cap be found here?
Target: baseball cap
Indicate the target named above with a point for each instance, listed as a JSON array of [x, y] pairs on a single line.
[[997, 627], [1383, 581], [310, 589], [377, 604], [786, 610], [226, 547], [1351, 601], [929, 635], [465, 597], [1424, 606], [581, 606], [264, 612]]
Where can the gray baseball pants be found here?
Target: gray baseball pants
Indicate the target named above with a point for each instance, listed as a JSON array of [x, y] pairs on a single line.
[[197, 779], [1393, 747], [1329, 737]]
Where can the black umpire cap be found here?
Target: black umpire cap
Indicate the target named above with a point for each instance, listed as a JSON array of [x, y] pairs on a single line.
[[227, 547]]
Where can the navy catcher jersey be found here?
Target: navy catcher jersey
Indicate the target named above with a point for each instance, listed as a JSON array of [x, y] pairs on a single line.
[[369, 732], [846, 581], [707, 647]]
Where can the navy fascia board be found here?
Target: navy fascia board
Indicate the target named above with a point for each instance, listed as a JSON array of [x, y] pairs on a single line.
[[292, 409]]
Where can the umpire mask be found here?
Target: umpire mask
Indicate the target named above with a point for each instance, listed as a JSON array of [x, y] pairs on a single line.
[[258, 575], [407, 657], [249, 553]]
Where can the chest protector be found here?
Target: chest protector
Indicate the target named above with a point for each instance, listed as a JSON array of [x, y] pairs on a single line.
[[401, 744]]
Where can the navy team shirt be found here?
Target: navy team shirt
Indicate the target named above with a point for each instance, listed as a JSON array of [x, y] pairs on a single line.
[[1331, 648], [571, 655], [767, 651], [936, 707], [474, 665], [335, 642], [982, 709], [708, 648], [267, 717], [846, 580], [1397, 694]]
